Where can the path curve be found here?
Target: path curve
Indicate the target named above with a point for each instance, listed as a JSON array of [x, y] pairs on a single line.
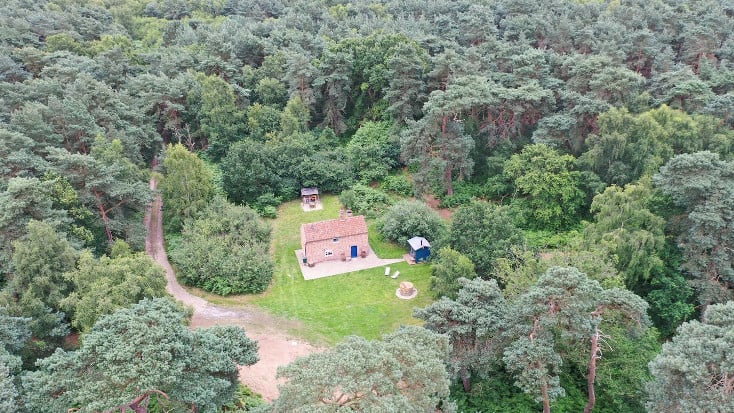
[[276, 348]]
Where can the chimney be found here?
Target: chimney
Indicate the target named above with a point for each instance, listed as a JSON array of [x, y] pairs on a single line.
[[349, 213]]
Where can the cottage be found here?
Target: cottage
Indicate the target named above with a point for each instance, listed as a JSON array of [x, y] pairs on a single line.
[[420, 249], [342, 238]]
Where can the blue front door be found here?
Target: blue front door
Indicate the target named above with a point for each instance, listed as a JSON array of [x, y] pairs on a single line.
[[354, 251]]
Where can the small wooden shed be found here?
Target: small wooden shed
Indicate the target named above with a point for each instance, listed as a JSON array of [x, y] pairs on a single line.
[[310, 196], [420, 248]]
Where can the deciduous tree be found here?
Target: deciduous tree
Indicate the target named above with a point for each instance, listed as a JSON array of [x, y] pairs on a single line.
[[447, 267], [408, 219], [248, 171], [187, 186], [548, 186], [38, 284], [629, 231], [483, 232], [104, 285], [373, 151]]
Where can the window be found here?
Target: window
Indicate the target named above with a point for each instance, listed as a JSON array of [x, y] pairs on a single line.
[[328, 253], [335, 239]]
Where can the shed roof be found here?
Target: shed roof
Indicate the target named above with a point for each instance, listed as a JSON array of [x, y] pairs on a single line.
[[418, 242], [333, 228], [309, 191]]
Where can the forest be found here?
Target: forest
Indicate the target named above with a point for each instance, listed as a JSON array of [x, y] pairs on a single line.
[[580, 153]]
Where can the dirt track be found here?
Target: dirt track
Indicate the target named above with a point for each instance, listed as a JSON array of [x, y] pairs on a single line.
[[275, 347]]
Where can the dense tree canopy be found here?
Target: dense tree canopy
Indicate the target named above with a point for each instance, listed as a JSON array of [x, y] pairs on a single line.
[[484, 233], [103, 285], [402, 372], [559, 320], [186, 187], [38, 285], [704, 186], [547, 185], [595, 134], [447, 267], [694, 371], [626, 228], [147, 347]]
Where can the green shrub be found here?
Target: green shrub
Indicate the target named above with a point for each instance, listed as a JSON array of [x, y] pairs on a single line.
[[408, 219], [464, 193], [447, 267], [268, 212], [267, 205], [551, 239], [398, 184], [362, 199], [225, 250], [244, 401]]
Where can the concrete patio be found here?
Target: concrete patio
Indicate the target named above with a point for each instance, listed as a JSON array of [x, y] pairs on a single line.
[[329, 268]]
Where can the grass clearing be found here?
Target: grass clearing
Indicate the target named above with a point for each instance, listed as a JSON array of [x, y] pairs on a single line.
[[361, 303]]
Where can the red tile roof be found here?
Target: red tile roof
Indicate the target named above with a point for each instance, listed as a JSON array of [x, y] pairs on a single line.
[[333, 228]]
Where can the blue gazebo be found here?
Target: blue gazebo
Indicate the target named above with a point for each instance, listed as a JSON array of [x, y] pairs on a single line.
[[420, 249]]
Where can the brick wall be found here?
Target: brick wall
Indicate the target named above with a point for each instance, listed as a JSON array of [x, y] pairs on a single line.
[[316, 250]]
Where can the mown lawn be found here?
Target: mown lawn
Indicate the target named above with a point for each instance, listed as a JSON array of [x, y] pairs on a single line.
[[361, 303]]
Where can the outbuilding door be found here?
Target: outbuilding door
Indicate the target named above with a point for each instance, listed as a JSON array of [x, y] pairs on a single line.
[[354, 251]]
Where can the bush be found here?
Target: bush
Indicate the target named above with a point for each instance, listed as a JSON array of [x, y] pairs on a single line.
[[244, 401], [267, 205], [408, 219], [552, 239], [225, 250], [398, 184], [268, 212], [448, 266], [362, 199], [466, 192]]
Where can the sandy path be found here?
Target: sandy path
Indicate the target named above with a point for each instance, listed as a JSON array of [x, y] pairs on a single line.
[[276, 348]]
